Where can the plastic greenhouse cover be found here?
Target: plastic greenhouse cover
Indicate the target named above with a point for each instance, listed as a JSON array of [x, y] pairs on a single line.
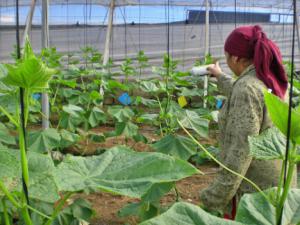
[[280, 4]]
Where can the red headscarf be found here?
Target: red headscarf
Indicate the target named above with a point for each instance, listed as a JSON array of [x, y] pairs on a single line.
[[252, 43]]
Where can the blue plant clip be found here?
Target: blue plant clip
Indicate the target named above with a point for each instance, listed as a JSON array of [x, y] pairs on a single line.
[[36, 96], [219, 103], [124, 99]]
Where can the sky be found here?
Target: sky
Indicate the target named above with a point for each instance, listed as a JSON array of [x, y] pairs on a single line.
[[71, 14]]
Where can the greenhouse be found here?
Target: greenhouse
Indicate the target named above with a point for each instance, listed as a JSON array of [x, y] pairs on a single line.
[[149, 112]]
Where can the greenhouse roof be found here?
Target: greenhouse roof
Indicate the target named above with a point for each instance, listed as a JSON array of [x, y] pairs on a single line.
[[280, 4]]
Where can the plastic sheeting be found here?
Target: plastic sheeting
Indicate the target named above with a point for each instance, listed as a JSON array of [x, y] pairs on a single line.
[[281, 4]]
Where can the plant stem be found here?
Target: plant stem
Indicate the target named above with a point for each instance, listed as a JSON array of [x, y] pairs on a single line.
[[6, 216], [222, 165], [26, 215], [177, 194], [9, 116], [38, 212], [24, 162], [287, 185], [56, 92], [280, 184], [9, 195], [26, 105], [58, 208]]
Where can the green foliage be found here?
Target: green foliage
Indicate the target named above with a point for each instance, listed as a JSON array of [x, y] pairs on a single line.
[[186, 213], [270, 144], [44, 140], [30, 73], [254, 209], [120, 113], [278, 111], [176, 145], [120, 171], [79, 211]]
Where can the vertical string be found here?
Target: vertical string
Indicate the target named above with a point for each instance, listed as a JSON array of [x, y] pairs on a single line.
[[22, 114], [125, 34], [287, 150], [235, 13]]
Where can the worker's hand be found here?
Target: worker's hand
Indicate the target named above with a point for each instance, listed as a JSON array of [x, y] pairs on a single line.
[[215, 70]]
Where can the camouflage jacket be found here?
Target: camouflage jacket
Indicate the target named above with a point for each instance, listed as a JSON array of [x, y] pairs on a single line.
[[243, 114]]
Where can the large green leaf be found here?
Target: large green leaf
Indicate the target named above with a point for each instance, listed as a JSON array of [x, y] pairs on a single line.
[[176, 145], [69, 122], [44, 140], [31, 72], [183, 213], [68, 138], [96, 117], [187, 92], [278, 111], [9, 168], [73, 110], [5, 136], [120, 113], [149, 87], [126, 128], [42, 185], [268, 145], [41, 181], [120, 171], [147, 118], [255, 209], [192, 120]]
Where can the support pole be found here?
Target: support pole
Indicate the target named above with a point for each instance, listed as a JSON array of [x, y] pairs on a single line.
[[206, 50], [298, 29], [45, 44], [28, 21], [108, 32], [107, 41]]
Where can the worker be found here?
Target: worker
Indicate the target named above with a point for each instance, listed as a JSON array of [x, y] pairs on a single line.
[[256, 61]]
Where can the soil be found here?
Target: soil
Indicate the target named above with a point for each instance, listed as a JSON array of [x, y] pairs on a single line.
[[106, 205]]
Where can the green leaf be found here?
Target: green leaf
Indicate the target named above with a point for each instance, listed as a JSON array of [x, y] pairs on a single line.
[[149, 87], [96, 137], [187, 214], [120, 113], [44, 140], [73, 110], [31, 72], [69, 122], [278, 111], [120, 171], [270, 144], [42, 186], [68, 83], [192, 120], [157, 191], [191, 92], [126, 128], [147, 118], [5, 136], [9, 168], [41, 179], [176, 145], [96, 117], [147, 102], [255, 209], [68, 138], [113, 84]]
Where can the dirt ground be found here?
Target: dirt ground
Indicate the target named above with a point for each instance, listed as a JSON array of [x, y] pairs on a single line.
[[107, 205]]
